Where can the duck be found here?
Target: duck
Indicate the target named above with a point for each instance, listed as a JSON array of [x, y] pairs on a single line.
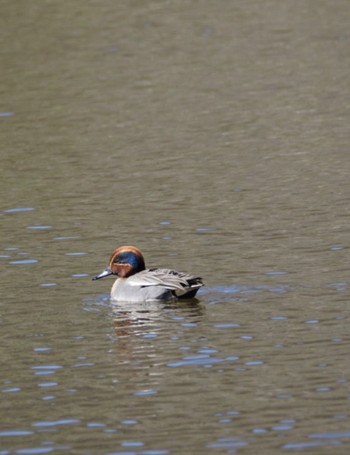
[[135, 283]]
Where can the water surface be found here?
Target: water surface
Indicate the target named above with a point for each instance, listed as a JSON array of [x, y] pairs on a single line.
[[213, 136]]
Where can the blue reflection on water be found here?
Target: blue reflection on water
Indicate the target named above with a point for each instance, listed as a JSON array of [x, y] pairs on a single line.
[[19, 209], [53, 423]]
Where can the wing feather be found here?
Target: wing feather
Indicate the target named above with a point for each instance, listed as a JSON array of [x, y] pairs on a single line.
[[167, 278]]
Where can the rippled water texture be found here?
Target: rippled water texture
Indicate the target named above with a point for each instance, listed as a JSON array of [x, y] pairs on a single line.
[[215, 137]]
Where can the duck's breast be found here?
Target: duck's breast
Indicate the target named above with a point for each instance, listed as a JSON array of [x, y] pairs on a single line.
[[122, 290]]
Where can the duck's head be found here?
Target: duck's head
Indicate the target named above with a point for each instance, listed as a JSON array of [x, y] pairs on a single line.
[[125, 261]]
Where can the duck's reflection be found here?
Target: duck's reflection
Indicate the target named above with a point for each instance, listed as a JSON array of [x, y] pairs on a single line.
[[146, 337], [141, 318]]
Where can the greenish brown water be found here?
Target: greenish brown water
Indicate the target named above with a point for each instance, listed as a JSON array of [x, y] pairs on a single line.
[[214, 136]]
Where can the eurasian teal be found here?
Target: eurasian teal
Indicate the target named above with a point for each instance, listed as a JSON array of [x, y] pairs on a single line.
[[135, 283]]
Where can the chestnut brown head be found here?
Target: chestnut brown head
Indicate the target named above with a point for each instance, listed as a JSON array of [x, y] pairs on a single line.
[[125, 261]]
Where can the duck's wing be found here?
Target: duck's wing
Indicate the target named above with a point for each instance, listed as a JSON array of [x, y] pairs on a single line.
[[169, 279]]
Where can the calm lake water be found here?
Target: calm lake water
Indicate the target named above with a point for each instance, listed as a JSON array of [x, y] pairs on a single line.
[[214, 136]]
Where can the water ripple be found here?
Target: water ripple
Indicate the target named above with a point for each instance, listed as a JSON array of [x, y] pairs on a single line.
[[11, 433], [53, 423], [19, 210]]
